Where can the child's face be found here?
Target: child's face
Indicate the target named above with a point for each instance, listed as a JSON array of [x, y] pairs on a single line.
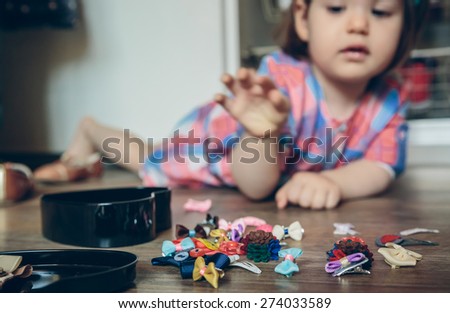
[[350, 40]]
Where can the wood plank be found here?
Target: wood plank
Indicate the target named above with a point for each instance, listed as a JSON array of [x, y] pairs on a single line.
[[421, 198]]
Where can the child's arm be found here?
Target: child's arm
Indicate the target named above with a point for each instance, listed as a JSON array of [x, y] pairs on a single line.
[[255, 166], [263, 111], [361, 178], [324, 190]]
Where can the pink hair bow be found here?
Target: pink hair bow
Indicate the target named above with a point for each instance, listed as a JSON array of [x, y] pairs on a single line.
[[244, 221], [192, 205]]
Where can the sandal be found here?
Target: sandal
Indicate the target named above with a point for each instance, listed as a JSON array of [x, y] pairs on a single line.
[[16, 182], [68, 169]]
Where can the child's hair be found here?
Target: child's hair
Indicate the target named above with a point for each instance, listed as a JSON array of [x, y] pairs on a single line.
[[414, 15]]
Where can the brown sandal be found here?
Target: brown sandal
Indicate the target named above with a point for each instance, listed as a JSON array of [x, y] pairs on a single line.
[[68, 169]]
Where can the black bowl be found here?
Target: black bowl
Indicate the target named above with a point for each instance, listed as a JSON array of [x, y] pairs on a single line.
[[106, 218]]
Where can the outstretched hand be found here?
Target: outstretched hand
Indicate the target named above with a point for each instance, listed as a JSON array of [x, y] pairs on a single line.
[[256, 103], [309, 190]]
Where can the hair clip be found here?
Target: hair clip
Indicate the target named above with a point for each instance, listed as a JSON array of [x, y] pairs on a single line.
[[353, 264], [354, 268], [192, 205], [288, 266], [9, 268], [265, 227], [344, 229], [352, 239], [294, 231], [249, 266], [343, 262], [253, 221], [397, 256], [220, 261], [244, 221], [213, 220], [231, 248], [210, 223], [237, 233], [348, 246], [402, 241], [183, 232], [197, 252], [208, 272], [169, 248], [205, 243], [175, 260], [219, 235]]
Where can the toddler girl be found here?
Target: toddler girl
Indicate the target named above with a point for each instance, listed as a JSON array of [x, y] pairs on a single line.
[[322, 120]]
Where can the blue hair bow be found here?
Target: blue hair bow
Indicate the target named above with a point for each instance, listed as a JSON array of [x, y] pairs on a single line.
[[168, 247], [288, 267]]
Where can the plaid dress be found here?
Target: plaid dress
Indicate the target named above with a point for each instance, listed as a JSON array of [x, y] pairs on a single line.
[[199, 151]]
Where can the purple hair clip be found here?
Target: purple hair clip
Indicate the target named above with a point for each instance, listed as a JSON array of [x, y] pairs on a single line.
[[237, 232], [347, 265]]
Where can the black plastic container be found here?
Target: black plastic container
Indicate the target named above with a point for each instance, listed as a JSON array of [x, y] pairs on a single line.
[[106, 218], [75, 271]]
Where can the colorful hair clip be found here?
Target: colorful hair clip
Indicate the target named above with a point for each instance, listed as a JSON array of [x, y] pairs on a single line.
[[402, 241], [219, 235], [294, 231], [352, 268], [183, 232], [244, 221], [210, 223], [265, 227], [397, 256], [208, 272], [231, 248], [169, 248], [9, 269], [205, 243], [237, 233], [344, 262], [249, 266], [344, 229], [192, 205], [288, 266], [348, 246]]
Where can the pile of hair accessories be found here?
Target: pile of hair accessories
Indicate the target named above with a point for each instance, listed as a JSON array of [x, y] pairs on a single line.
[[206, 250], [349, 255]]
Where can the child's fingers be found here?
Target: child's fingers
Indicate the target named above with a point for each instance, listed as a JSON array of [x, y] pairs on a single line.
[[265, 82], [229, 82], [281, 198], [245, 77], [278, 100], [319, 200], [220, 98], [333, 199], [224, 101], [306, 197]]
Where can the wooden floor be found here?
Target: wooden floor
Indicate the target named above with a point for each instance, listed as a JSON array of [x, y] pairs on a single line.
[[421, 198]]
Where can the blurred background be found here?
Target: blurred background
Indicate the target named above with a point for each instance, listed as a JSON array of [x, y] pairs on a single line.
[[143, 64]]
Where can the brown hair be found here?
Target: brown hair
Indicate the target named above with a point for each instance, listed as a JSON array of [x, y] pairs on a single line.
[[414, 15]]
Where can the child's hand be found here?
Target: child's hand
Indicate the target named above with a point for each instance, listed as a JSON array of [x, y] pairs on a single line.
[[257, 103], [309, 190]]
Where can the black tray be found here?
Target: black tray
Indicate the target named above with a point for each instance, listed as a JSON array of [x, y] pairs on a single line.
[[75, 271]]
